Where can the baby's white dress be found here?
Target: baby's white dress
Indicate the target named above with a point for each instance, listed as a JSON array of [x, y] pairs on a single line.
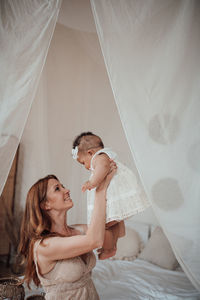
[[124, 195]]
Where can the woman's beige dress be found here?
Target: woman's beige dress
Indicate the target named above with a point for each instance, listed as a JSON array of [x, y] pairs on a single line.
[[69, 279]]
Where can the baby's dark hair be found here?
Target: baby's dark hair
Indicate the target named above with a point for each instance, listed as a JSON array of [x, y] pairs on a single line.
[[87, 140]]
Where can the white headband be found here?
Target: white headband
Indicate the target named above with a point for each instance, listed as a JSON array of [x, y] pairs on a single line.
[[75, 153]]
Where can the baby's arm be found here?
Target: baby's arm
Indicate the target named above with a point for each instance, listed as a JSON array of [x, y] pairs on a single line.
[[101, 165]]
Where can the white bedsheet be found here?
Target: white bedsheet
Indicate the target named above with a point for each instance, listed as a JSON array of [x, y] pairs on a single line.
[[115, 280]]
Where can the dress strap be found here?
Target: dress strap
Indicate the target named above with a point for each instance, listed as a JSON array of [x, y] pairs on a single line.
[[91, 165], [35, 255], [44, 281]]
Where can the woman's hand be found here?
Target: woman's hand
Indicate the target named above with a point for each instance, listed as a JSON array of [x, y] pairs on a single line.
[[113, 166], [105, 183]]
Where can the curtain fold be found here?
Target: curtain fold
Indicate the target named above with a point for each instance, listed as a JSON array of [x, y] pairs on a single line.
[[152, 54], [26, 28]]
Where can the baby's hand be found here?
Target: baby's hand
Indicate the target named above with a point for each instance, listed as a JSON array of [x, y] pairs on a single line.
[[86, 186]]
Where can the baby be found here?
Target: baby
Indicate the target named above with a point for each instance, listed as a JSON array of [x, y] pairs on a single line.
[[124, 197]]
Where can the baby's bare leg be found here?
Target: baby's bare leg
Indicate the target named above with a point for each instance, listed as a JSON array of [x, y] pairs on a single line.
[[110, 241], [122, 230], [121, 227]]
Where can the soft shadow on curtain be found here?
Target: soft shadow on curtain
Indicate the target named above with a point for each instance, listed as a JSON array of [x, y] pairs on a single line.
[[152, 53], [26, 28]]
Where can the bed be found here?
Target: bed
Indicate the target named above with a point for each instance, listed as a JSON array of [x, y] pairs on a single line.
[[144, 267], [139, 279]]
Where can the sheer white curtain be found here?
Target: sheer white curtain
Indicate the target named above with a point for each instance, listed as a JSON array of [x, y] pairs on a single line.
[[26, 28], [152, 53]]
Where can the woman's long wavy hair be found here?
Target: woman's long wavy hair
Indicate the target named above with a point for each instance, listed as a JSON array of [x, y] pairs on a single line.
[[36, 224]]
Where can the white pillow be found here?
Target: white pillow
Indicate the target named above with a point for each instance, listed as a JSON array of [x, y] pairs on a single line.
[[129, 246], [158, 251], [142, 229]]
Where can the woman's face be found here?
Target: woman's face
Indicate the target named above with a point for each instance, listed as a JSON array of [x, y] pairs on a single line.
[[58, 197]]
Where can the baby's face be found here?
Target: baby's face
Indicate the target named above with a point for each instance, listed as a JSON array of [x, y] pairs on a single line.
[[85, 159]]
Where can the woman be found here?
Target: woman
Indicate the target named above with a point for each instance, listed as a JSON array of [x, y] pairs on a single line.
[[57, 255]]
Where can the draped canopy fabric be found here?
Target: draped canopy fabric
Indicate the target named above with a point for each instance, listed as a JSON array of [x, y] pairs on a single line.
[[26, 28], [152, 54]]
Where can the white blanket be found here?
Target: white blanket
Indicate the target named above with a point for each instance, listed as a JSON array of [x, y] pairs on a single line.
[[115, 280]]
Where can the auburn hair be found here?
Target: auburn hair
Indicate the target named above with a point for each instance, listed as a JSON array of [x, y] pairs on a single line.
[[36, 224]]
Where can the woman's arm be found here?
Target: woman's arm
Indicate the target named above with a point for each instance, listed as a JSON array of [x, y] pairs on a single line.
[[57, 248], [101, 169]]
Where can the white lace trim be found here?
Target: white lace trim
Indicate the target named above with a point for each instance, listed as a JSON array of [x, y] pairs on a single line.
[[121, 210]]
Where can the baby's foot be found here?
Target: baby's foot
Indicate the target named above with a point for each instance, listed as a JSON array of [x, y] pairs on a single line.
[[104, 254]]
